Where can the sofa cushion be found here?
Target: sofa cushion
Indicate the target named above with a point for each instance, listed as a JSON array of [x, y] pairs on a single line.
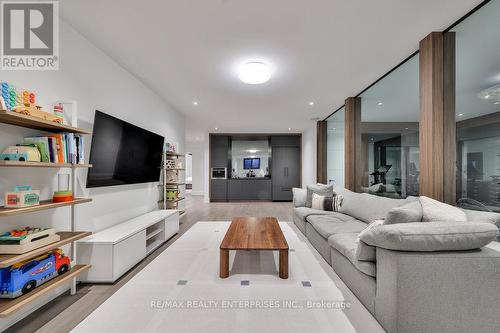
[[346, 244], [367, 207], [434, 210], [320, 189], [334, 223], [299, 197], [304, 212], [410, 212], [429, 237], [365, 252], [479, 216]]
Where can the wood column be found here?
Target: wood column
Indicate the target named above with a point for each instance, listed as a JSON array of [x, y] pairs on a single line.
[[437, 117], [353, 150], [321, 152]]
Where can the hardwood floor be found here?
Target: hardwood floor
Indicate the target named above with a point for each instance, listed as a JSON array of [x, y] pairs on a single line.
[[65, 312]]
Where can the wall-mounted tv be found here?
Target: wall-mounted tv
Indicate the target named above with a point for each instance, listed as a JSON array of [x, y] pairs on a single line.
[[251, 163], [122, 153]]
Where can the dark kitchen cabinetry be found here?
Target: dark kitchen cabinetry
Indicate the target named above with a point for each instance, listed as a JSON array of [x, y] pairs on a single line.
[[285, 172], [219, 147]]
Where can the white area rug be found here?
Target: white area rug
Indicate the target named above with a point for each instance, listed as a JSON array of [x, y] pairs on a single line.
[[180, 291]]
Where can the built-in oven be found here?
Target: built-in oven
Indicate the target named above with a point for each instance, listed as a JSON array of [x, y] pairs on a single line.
[[219, 173]]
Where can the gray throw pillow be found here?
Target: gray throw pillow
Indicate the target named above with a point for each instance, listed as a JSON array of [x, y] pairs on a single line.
[[319, 189], [430, 237], [365, 252], [299, 197], [479, 216], [438, 211], [411, 212]]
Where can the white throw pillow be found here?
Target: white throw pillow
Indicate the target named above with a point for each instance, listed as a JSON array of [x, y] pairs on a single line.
[[434, 210]]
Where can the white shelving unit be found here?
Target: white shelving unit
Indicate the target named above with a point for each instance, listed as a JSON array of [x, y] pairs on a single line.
[[177, 184]]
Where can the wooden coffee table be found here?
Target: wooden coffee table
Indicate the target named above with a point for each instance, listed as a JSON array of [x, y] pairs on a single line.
[[254, 233]]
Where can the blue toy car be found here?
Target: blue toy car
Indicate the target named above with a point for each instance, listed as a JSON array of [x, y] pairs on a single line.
[[23, 277]]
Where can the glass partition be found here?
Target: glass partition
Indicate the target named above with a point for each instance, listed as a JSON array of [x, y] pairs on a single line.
[[250, 158], [335, 148], [478, 109], [390, 133]]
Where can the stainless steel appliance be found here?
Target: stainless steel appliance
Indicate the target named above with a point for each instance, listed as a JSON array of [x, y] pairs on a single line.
[[218, 173]]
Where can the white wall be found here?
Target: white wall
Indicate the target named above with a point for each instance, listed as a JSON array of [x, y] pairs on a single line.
[[198, 166], [309, 156], [95, 81]]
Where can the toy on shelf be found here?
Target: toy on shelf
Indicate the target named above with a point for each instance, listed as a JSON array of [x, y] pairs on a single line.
[[23, 277], [169, 164], [63, 193], [172, 195], [20, 241], [23, 196], [27, 153], [170, 147], [62, 196], [59, 112]]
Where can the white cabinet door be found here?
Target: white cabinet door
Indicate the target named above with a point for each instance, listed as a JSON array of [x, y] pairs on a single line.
[[127, 253]]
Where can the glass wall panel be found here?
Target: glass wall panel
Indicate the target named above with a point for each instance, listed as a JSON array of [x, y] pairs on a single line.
[[390, 129], [335, 148], [478, 109]]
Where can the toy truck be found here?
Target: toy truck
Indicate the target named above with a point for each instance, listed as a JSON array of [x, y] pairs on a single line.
[[23, 277]]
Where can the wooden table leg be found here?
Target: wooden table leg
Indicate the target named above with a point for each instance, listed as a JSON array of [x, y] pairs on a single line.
[[283, 264], [224, 264]]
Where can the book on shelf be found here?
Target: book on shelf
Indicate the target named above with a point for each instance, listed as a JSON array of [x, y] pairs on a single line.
[[59, 148]]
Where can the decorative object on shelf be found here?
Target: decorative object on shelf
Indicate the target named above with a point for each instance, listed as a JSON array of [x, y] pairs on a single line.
[[170, 164], [172, 195], [24, 277], [171, 176], [63, 193], [20, 241], [23, 196], [28, 153], [59, 112], [170, 147]]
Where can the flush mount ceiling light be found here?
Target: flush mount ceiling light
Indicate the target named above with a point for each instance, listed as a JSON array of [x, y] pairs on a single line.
[[490, 93], [311, 103], [195, 103], [254, 72]]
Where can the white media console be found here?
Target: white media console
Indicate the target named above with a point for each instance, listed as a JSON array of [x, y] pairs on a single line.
[[113, 251]]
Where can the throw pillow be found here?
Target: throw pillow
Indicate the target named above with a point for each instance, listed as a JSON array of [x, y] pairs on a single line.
[[331, 204], [299, 197], [321, 189], [434, 210], [411, 212]]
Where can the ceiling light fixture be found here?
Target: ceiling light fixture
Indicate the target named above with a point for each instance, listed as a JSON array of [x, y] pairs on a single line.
[[311, 103], [216, 129], [289, 129], [496, 103], [460, 114], [380, 103], [195, 103], [254, 73], [252, 151], [491, 92]]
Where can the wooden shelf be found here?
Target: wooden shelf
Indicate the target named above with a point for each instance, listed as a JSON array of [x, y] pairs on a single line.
[[175, 169], [174, 154], [47, 204], [17, 119], [171, 201], [23, 164], [7, 260], [174, 184], [10, 306]]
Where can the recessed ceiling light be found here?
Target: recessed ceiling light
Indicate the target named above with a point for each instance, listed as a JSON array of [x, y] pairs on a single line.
[[496, 103], [289, 129], [311, 103], [216, 128], [252, 151], [460, 114], [380, 103], [254, 73], [195, 103], [406, 128]]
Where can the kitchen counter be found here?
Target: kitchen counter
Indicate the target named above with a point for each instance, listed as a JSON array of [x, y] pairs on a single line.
[[250, 188]]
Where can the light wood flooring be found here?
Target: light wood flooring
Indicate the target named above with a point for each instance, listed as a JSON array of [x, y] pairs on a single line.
[[65, 312]]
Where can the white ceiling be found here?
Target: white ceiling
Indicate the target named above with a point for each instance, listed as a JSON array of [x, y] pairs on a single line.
[[322, 51]]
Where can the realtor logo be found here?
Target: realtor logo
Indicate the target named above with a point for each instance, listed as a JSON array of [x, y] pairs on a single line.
[[29, 35]]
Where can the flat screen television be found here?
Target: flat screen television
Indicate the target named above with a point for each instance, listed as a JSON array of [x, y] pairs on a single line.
[[251, 163], [122, 153]]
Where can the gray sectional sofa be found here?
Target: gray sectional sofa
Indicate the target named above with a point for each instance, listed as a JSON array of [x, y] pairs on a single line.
[[417, 290]]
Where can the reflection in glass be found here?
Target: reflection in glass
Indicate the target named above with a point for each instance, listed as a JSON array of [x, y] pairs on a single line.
[[250, 158], [478, 109], [390, 134]]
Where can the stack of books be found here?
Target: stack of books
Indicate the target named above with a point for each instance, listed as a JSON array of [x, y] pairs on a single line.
[[59, 148]]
